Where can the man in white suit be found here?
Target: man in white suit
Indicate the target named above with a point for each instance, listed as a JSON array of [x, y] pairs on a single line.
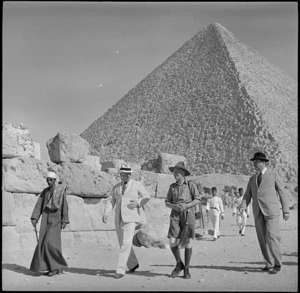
[[128, 196], [267, 193]]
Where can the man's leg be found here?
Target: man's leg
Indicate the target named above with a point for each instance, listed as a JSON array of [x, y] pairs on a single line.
[[273, 239], [176, 252], [244, 222], [187, 258], [261, 231], [216, 224], [127, 232]]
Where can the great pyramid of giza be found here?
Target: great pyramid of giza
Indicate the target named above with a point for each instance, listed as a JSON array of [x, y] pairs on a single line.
[[215, 101]]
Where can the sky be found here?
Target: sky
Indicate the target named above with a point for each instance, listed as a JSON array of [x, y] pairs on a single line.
[[64, 64]]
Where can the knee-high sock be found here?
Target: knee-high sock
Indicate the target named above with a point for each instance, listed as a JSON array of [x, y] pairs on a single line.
[[187, 256], [176, 252]]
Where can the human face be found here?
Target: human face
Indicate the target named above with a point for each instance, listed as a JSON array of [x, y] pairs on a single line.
[[214, 192], [259, 164], [50, 181], [178, 174], [125, 177]]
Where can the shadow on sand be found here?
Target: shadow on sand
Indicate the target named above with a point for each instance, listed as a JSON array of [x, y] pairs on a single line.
[[92, 272]]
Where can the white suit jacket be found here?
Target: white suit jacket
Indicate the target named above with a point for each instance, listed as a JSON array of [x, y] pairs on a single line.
[[134, 191]]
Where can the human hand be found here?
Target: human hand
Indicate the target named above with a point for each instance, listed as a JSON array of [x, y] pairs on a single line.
[[182, 206], [286, 216], [33, 222], [242, 210], [63, 225], [104, 219], [133, 204]]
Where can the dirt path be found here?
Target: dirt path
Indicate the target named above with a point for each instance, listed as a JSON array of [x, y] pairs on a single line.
[[232, 263]]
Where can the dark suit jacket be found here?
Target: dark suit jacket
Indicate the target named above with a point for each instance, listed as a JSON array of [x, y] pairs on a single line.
[[268, 196]]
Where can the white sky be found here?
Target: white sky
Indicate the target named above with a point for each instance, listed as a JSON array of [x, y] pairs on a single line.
[[66, 64]]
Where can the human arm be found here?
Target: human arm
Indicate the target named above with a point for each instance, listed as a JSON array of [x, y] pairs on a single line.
[[143, 197], [168, 201], [246, 198], [37, 211], [64, 210], [283, 197], [109, 205]]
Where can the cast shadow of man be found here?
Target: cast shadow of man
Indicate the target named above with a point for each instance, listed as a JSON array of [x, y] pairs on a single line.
[[85, 271]]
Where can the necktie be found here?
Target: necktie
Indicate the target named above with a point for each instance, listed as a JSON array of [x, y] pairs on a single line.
[[259, 178], [124, 187]]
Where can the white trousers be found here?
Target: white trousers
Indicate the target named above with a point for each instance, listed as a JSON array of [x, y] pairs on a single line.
[[127, 257], [215, 219], [241, 220]]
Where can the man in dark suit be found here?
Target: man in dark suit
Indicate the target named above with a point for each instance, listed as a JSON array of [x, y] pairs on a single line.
[[266, 190]]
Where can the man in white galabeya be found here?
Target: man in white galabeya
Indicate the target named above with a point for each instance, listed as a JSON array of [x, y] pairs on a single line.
[[127, 196], [266, 190]]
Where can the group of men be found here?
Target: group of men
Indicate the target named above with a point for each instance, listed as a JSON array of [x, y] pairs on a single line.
[[265, 189]]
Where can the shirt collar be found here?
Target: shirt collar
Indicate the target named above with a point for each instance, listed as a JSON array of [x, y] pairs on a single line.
[[184, 182], [263, 171]]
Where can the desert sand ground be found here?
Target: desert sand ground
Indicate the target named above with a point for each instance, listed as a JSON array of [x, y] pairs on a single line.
[[232, 263]]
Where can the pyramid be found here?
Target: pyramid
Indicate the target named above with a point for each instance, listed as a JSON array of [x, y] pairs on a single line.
[[215, 101]]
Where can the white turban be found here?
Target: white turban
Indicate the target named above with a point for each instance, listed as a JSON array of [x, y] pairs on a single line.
[[51, 175]]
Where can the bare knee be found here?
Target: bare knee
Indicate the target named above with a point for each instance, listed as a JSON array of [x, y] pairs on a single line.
[[173, 242]]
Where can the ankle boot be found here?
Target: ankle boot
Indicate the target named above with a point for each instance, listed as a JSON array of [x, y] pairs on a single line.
[[187, 259], [179, 264]]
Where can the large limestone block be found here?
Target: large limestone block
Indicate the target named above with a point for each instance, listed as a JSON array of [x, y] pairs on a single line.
[[28, 242], [68, 147], [10, 241], [26, 175], [25, 204], [154, 234], [149, 179], [95, 238], [37, 150], [85, 181], [112, 164], [150, 165], [93, 161], [8, 209], [164, 161], [16, 141], [85, 214], [163, 183]]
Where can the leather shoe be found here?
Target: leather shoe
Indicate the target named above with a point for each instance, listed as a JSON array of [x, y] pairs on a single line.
[[133, 269], [275, 270], [177, 270], [266, 269], [118, 276], [52, 273], [187, 274]]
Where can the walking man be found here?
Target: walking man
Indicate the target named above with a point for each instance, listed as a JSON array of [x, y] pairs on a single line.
[[127, 196], [241, 218], [215, 208], [182, 197], [53, 207], [266, 190]]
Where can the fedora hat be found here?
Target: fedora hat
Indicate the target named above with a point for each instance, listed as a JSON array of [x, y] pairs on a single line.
[[125, 168], [180, 165], [260, 156]]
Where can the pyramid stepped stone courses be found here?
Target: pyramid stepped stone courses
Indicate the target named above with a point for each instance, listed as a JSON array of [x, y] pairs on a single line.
[[214, 101]]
